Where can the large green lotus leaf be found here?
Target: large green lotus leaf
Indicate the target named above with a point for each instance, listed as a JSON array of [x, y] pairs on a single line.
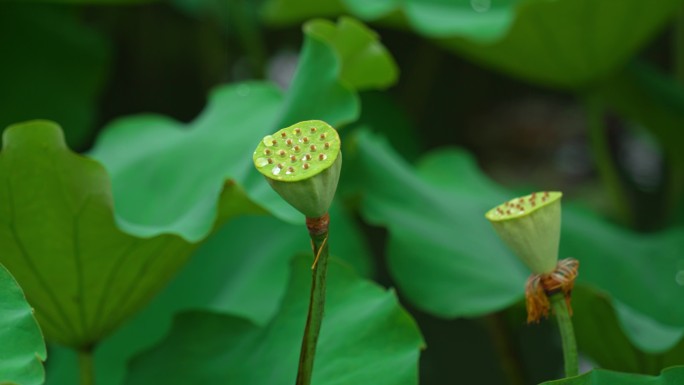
[[80, 271], [366, 338], [600, 335], [448, 261], [563, 43], [626, 264], [53, 67], [443, 254], [669, 376], [242, 272], [182, 167], [23, 349]]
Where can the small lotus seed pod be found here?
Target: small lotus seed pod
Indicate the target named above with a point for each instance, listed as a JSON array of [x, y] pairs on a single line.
[[530, 226], [308, 183]]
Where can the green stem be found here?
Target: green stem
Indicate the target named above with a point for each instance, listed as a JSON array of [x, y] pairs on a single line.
[[604, 162], [316, 306], [560, 309], [85, 364], [509, 353], [675, 185]]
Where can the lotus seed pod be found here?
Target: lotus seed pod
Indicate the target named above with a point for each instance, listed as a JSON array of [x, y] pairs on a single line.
[[302, 164], [530, 226]]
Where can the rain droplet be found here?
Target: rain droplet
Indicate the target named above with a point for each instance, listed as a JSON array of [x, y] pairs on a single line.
[[268, 141], [276, 170], [261, 162]]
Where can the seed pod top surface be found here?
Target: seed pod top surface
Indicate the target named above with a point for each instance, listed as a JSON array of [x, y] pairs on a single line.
[[519, 207], [297, 152]]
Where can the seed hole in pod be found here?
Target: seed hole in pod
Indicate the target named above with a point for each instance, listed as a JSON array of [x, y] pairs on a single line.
[[296, 148], [313, 129], [293, 158], [322, 157], [290, 170], [322, 136], [305, 140], [283, 134], [326, 145], [297, 131], [270, 161], [312, 147], [289, 142], [274, 142], [282, 153], [305, 166], [307, 157], [267, 152]]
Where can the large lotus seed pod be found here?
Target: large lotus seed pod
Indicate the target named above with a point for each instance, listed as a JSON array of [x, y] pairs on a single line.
[[530, 226], [302, 163]]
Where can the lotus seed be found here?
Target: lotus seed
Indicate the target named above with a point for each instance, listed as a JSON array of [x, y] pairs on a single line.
[[322, 157], [305, 166], [289, 142], [293, 158], [313, 129], [283, 134], [326, 145], [322, 136], [281, 153], [305, 140], [307, 157], [297, 131], [296, 148]]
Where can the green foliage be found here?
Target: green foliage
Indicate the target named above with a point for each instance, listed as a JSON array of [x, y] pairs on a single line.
[[565, 43], [23, 352], [159, 156], [110, 267], [604, 377], [600, 334], [452, 276], [473, 273], [366, 337], [82, 273]]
